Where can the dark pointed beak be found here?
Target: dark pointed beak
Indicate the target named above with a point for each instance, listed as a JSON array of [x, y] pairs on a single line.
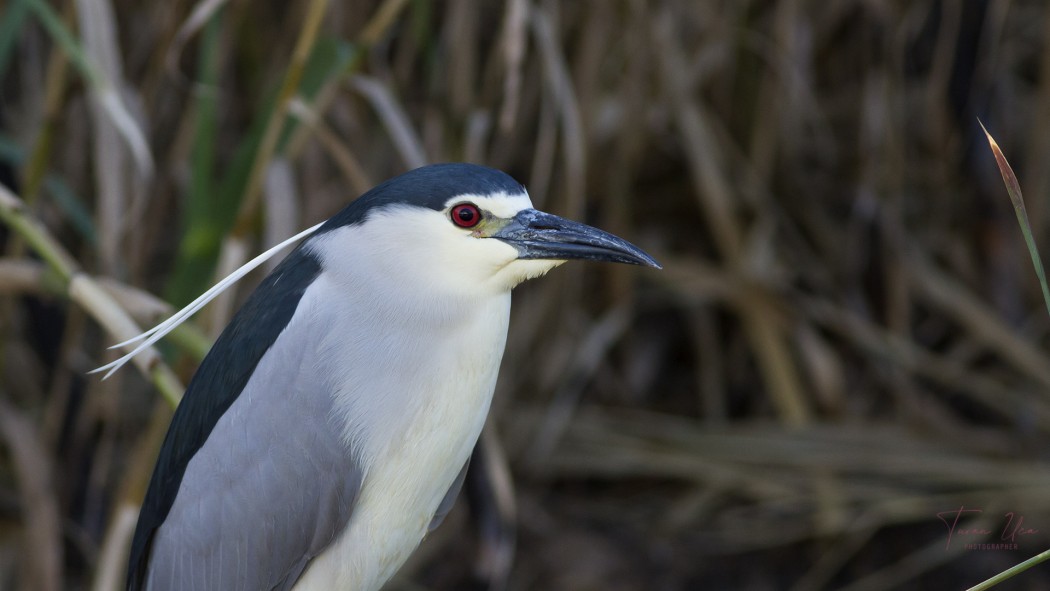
[[539, 235]]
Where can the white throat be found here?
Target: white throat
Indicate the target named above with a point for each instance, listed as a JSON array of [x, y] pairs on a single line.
[[410, 425]]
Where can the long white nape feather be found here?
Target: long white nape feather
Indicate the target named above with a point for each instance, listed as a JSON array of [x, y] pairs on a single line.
[[158, 332]]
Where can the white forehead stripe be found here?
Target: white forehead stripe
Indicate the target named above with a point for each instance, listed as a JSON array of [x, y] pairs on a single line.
[[502, 204]]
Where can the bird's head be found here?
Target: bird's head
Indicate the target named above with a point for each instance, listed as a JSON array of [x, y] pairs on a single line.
[[458, 231], [461, 227]]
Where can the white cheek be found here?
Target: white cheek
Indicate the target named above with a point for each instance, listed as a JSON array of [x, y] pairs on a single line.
[[422, 252]]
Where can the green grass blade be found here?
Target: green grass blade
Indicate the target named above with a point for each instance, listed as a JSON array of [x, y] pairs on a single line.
[[203, 219], [65, 39], [1015, 570], [12, 24], [103, 90], [1014, 189], [197, 256]]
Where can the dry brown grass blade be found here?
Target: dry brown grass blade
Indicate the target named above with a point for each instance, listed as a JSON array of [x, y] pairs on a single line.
[[479, 126], [202, 12], [112, 560], [307, 37], [395, 120], [113, 161], [705, 153], [830, 562], [353, 171], [236, 248], [499, 529], [282, 206], [23, 277], [40, 156], [515, 19], [85, 291], [590, 352], [541, 164], [559, 84], [953, 298], [927, 558], [713, 189], [1038, 149], [128, 499], [461, 34], [19, 276], [382, 21], [41, 522], [774, 465], [912, 358]]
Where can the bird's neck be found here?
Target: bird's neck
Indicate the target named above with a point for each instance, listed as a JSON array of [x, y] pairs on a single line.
[[411, 343]]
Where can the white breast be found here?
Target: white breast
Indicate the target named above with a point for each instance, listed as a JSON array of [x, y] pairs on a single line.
[[413, 383]]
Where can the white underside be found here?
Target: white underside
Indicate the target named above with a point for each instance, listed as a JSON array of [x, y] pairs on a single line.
[[413, 420]]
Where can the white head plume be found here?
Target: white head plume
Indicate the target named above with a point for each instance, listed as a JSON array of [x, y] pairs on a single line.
[[157, 332]]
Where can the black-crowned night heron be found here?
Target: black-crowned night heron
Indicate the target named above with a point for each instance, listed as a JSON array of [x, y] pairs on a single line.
[[329, 427]]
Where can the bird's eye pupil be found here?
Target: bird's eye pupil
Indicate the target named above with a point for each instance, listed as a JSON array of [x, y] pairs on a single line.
[[466, 215]]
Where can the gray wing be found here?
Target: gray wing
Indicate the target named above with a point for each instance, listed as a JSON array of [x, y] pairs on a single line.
[[449, 500], [271, 487]]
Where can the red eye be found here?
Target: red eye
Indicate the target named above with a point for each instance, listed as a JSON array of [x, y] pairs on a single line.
[[466, 215]]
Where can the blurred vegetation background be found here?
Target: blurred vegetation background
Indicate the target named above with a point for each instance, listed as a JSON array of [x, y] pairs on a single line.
[[844, 350]]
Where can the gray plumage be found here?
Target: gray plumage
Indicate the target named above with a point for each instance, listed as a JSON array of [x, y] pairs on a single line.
[[279, 447]]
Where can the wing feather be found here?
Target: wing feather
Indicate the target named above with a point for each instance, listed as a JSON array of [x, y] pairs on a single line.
[[254, 478]]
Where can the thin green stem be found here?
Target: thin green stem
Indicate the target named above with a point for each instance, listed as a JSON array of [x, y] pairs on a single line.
[[1010, 572], [64, 38], [1013, 188]]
